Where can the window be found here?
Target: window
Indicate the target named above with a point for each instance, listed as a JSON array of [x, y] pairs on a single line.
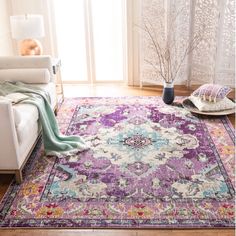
[[90, 38]]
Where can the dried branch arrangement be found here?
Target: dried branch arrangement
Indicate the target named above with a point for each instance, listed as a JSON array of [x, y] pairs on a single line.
[[162, 40]]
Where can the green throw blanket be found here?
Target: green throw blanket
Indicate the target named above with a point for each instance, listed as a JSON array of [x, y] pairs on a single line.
[[54, 142]]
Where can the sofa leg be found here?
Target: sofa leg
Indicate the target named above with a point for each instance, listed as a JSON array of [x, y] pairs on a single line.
[[18, 175]]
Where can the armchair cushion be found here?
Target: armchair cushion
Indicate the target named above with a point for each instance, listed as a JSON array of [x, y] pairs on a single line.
[[29, 75]]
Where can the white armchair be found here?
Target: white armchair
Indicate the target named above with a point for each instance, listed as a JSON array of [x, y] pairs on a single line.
[[19, 126]]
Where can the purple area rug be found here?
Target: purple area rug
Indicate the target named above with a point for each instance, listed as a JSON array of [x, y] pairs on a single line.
[[149, 166]]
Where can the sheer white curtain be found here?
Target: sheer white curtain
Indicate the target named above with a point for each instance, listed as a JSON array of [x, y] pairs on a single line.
[[71, 44], [213, 61], [107, 21], [91, 38]]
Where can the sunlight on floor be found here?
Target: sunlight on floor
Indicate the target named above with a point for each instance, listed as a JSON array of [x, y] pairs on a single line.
[[115, 90], [105, 90]]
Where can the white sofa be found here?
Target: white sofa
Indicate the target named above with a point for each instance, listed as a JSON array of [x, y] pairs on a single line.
[[19, 126]]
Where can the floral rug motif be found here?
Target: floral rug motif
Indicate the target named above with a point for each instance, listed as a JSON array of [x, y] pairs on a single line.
[[149, 165]]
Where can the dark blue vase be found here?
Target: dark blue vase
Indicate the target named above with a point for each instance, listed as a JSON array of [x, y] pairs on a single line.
[[168, 95]]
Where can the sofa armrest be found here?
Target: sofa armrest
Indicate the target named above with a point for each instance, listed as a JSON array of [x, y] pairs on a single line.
[[8, 138], [16, 62]]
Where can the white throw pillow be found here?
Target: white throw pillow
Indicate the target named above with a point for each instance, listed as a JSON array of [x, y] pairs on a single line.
[[221, 105], [30, 76]]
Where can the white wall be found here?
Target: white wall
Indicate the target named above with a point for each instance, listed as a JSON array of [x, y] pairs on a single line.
[[6, 47]]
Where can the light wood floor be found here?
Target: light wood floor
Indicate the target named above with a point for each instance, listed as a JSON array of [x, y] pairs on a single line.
[[111, 90]]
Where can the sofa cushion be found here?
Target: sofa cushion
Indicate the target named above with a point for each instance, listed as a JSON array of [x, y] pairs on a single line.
[[30, 135], [26, 75], [17, 115], [20, 109], [18, 62], [24, 113], [25, 116], [51, 89]]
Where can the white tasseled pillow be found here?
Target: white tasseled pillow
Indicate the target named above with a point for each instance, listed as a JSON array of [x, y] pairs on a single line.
[[221, 105]]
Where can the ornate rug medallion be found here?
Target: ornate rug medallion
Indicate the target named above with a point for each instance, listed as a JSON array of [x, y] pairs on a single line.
[[148, 165]]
